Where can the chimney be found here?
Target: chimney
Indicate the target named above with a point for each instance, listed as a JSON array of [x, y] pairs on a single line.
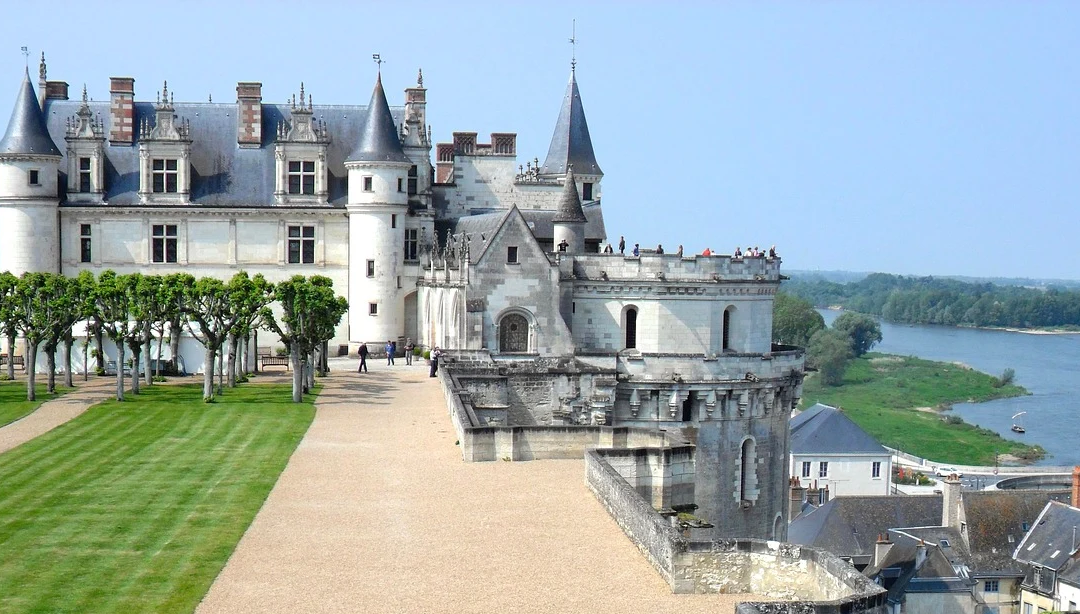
[[950, 502], [920, 554], [798, 495], [1076, 487], [249, 114], [813, 495], [56, 90], [444, 163], [121, 110], [881, 548]]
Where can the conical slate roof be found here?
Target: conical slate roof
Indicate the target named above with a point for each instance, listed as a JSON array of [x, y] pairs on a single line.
[[569, 203], [26, 131], [379, 141], [571, 144]]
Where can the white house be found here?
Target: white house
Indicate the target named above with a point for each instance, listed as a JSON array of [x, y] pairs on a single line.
[[831, 450]]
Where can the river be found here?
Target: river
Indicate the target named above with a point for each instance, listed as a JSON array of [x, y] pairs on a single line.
[[1047, 365]]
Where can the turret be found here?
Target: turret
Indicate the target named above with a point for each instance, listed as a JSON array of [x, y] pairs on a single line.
[[569, 220], [416, 141], [571, 146], [378, 201], [29, 197]]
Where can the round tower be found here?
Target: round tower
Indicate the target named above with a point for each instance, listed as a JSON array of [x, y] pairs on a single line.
[[378, 201], [29, 201], [569, 221]]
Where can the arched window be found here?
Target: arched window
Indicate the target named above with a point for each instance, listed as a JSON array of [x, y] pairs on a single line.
[[631, 328], [513, 333], [727, 328], [747, 476], [778, 528]]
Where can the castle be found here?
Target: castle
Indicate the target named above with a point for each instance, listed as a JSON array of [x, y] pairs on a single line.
[[499, 262]]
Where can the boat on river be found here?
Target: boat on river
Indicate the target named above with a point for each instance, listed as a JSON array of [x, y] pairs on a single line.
[[1018, 423]]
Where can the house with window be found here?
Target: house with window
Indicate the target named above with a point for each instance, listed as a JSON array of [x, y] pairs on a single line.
[[828, 449], [1050, 555]]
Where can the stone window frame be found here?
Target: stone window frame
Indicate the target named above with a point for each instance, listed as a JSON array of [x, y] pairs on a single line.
[[306, 178], [412, 245], [991, 586], [747, 485], [166, 240], [367, 183], [624, 325], [86, 245], [302, 239], [725, 333], [33, 177], [373, 309], [512, 255], [164, 174], [370, 268], [85, 178], [875, 470], [823, 470], [530, 319], [806, 466]]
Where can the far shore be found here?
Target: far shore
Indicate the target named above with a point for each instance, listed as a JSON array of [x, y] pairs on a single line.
[[1008, 329]]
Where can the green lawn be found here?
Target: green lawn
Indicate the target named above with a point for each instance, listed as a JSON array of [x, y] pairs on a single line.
[[136, 506], [13, 403], [881, 391]]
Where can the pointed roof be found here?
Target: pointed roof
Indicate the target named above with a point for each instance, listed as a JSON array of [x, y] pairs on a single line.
[[26, 131], [569, 203], [571, 144], [822, 429], [379, 141]]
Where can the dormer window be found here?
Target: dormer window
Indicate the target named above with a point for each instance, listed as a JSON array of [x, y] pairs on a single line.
[[35, 178], [84, 175], [302, 177], [586, 191], [165, 176], [85, 137]]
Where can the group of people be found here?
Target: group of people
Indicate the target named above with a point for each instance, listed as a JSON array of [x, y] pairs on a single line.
[[751, 252], [391, 351]]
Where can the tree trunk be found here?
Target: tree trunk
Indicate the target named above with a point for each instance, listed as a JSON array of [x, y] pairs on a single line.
[[31, 359], [326, 357], [68, 342], [309, 372], [11, 357], [255, 337], [246, 361], [297, 374], [208, 372], [161, 341], [119, 369], [174, 343], [231, 379], [136, 352], [50, 362], [99, 345], [148, 336], [221, 367]]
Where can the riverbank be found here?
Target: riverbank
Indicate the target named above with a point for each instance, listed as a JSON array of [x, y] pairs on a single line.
[[888, 395]]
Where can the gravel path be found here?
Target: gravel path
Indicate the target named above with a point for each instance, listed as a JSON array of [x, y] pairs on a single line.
[[52, 414], [376, 512]]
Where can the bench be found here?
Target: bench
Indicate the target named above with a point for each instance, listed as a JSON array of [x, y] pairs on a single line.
[[17, 360], [274, 361]]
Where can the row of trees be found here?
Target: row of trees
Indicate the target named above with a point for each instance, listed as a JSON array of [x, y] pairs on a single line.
[[931, 300], [796, 322], [133, 309]]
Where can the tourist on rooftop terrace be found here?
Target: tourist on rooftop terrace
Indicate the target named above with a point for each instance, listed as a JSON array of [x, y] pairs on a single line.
[[738, 253], [622, 245], [772, 252], [637, 250], [707, 252], [659, 248], [679, 253], [608, 250]]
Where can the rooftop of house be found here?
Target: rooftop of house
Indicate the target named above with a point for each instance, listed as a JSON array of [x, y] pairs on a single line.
[[1054, 537], [822, 429], [997, 520]]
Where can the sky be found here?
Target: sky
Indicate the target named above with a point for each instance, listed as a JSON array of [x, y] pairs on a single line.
[[930, 138]]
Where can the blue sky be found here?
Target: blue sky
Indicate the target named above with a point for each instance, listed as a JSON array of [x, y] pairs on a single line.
[[914, 137]]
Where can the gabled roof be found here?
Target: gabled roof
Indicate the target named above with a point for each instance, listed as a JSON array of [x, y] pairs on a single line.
[[27, 133], [571, 144], [849, 526], [1051, 541], [379, 141], [993, 517], [822, 429], [569, 210], [482, 226]]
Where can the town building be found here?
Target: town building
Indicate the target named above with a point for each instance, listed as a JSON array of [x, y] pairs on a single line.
[[1050, 555], [828, 449]]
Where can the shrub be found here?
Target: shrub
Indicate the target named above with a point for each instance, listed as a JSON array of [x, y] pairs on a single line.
[[954, 420], [427, 354], [282, 351], [1007, 377], [416, 351]]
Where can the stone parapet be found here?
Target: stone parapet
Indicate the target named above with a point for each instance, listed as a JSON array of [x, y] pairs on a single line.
[[669, 267]]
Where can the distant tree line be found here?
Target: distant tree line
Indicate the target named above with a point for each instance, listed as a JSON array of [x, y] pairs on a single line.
[[43, 309], [828, 350], [932, 300]]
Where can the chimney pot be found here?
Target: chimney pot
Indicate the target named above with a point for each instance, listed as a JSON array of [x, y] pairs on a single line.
[[121, 110]]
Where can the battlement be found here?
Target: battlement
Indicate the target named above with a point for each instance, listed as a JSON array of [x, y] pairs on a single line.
[[669, 267]]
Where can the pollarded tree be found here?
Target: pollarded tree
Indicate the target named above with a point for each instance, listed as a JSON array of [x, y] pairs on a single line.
[[145, 310], [171, 300], [62, 309], [794, 320], [309, 309], [112, 303], [863, 331], [35, 295], [82, 291], [206, 304], [324, 322], [247, 296], [10, 316]]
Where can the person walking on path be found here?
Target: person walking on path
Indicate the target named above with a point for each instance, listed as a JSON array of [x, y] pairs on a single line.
[[435, 353], [408, 350], [363, 359], [389, 353]]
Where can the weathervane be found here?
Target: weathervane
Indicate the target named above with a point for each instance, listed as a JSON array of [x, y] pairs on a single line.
[[378, 60], [26, 56], [573, 45]]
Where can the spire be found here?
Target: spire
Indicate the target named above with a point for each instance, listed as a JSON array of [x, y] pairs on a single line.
[[379, 141], [569, 203], [571, 144], [26, 131]]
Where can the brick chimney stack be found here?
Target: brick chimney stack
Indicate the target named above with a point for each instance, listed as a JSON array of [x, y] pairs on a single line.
[[950, 503], [121, 110], [249, 115], [798, 495], [881, 548], [1076, 487]]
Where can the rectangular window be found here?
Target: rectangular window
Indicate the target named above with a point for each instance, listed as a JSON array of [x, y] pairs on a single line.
[[373, 309], [302, 177], [412, 243], [84, 175], [806, 469], [511, 254], [586, 191], [1027, 608], [34, 178], [400, 184], [412, 180], [371, 268], [165, 176], [164, 243], [823, 469], [368, 184], [990, 586], [85, 255], [301, 245], [393, 220], [399, 282], [875, 471]]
